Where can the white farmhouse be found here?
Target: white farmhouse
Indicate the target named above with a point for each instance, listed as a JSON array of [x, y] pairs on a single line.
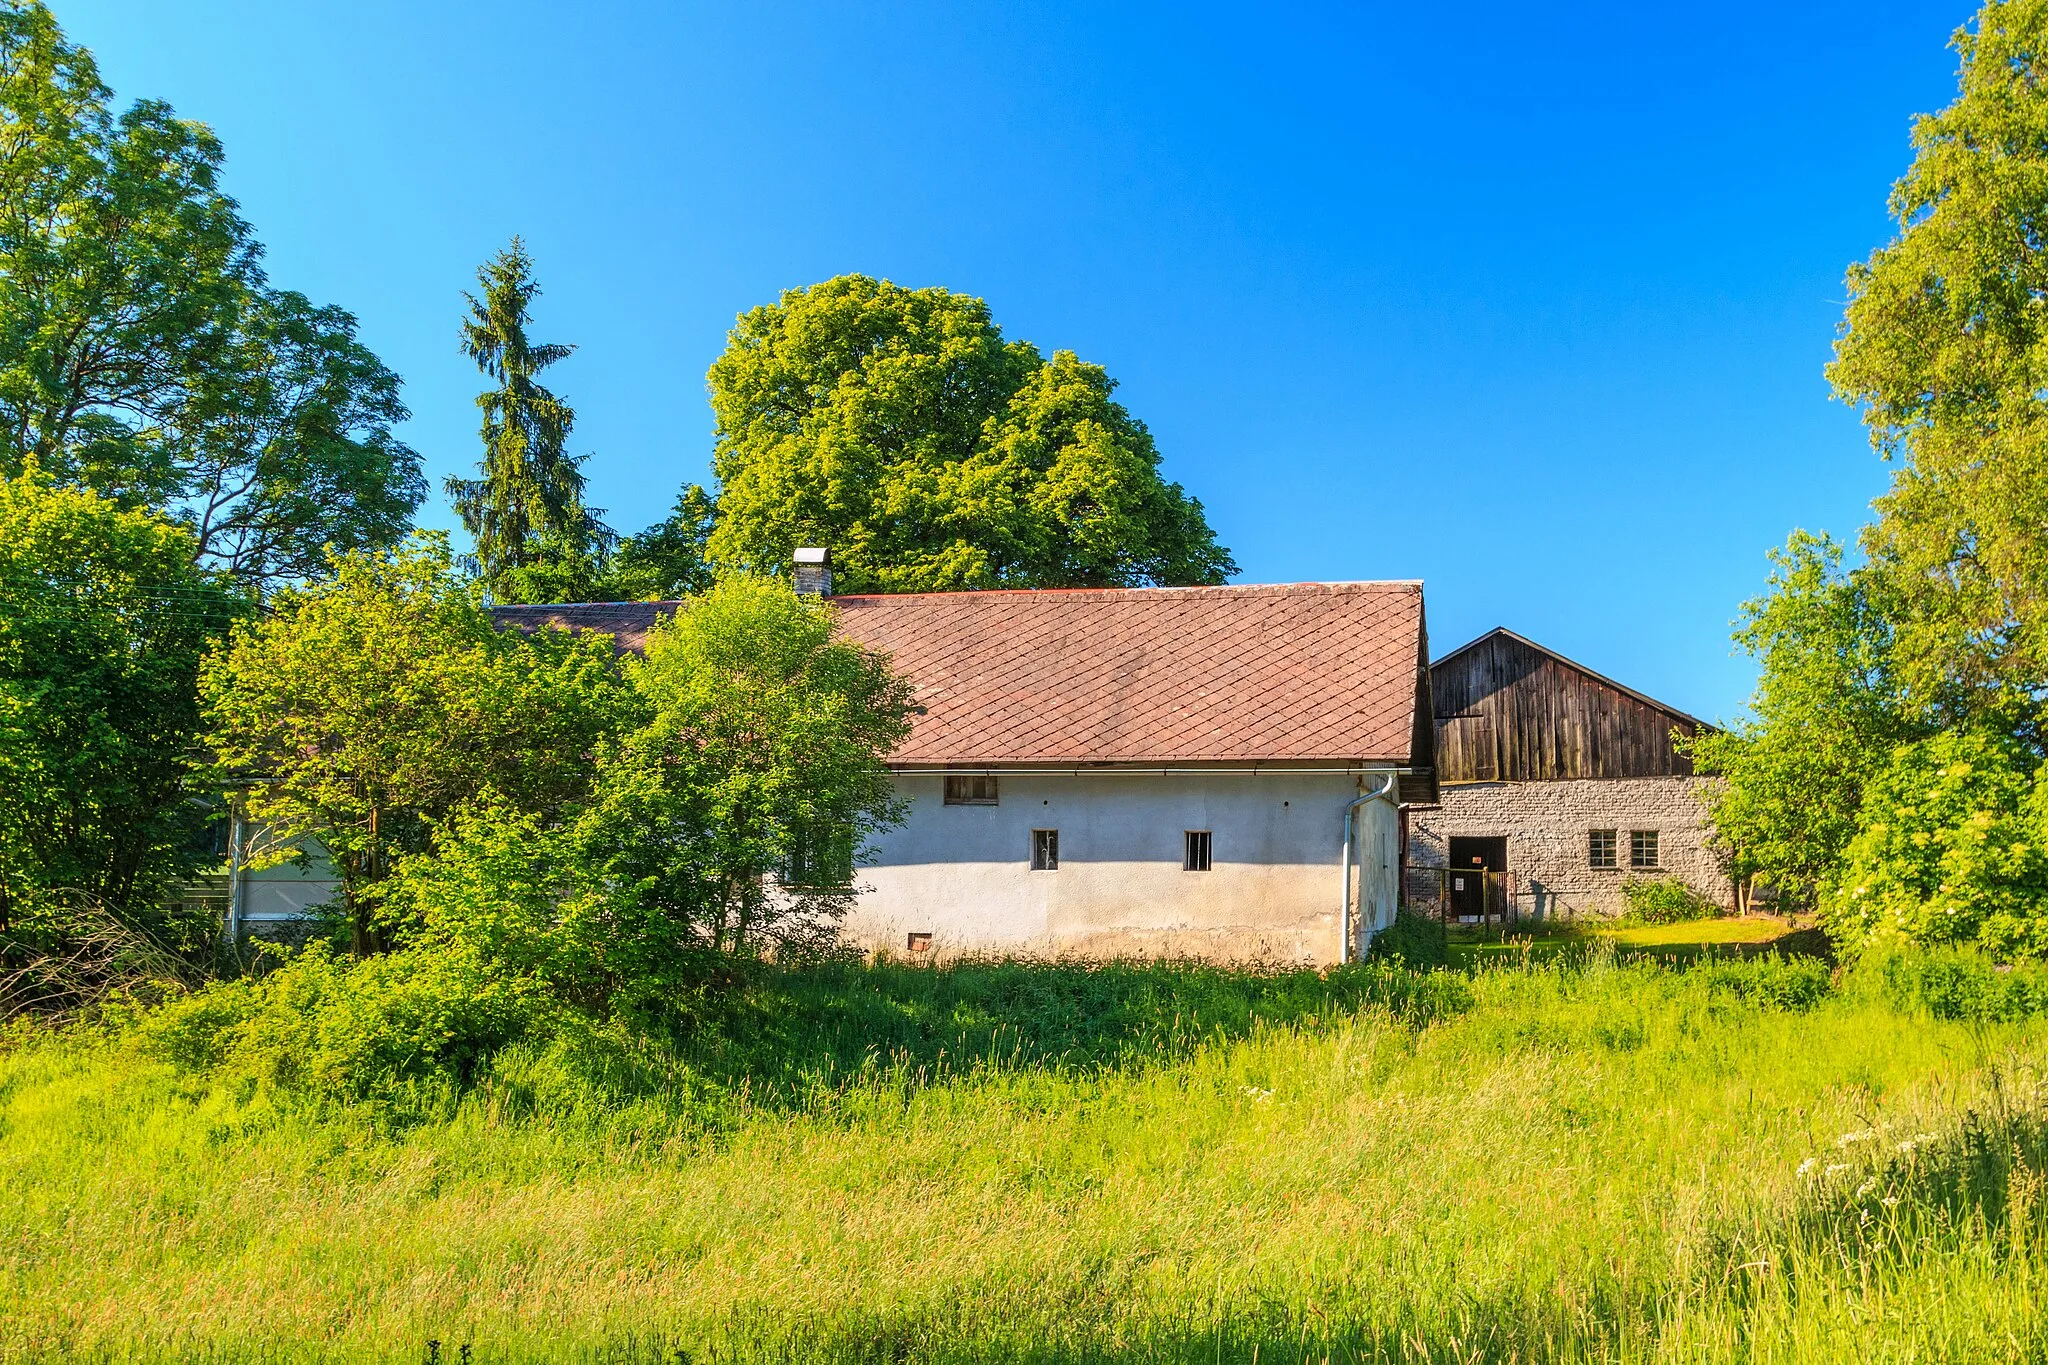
[[1211, 772]]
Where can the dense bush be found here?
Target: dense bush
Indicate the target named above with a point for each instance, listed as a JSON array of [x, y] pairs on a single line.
[[103, 623], [414, 1030], [1948, 850], [1771, 981], [1962, 983], [323, 1026], [1664, 900]]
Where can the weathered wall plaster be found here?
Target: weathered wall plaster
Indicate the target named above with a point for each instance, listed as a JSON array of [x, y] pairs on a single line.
[[962, 873]]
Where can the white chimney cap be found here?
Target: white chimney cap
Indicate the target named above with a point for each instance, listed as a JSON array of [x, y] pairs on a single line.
[[813, 554]]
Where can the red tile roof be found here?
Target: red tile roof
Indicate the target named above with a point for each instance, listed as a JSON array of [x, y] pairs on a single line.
[[1294, 672]]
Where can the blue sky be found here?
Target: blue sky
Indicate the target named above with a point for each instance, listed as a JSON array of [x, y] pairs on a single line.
[[1531, 305]]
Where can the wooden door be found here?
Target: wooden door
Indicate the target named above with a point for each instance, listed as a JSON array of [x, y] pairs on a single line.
[[1478, 872]]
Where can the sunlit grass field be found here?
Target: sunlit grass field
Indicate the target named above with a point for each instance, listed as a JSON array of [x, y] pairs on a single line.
[[1472, 946], [1578, 1161]]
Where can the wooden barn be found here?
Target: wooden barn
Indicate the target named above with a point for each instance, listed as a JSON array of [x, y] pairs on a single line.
[[1557, 785]]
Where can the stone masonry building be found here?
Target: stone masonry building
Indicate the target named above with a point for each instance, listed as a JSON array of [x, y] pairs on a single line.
[[1557, 786]]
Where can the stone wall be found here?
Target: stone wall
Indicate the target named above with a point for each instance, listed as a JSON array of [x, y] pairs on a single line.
[[1547, 825]]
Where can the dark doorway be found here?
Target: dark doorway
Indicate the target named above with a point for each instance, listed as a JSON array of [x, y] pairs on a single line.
[[1473, 892]]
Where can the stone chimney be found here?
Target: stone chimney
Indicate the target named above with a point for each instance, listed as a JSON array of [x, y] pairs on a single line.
[[814, 571]]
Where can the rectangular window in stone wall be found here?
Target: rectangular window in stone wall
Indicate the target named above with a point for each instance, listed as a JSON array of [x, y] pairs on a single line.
[[1642, 848], [1600, 848]]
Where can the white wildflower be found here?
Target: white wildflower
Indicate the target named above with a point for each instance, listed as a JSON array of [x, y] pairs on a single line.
[[1258, 1096], [1890, 1201], [1865, 1188], [1834, 1170], [1851, 1139], [1806, 1167]]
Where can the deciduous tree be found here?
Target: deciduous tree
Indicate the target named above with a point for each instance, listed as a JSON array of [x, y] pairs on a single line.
[[739, 809], [899, 427], [103, 621], [669, 559], [1825, 718], [367, 709], [1944, 347], [142, 352]]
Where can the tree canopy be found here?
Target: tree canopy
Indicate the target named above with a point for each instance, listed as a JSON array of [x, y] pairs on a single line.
[[144, 354], [899, 427], [1823, 722], [1897, 728], [1943, 348], [103, 622], [377, 703], [535, 540]]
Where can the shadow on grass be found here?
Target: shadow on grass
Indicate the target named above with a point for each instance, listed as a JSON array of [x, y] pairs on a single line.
[[822, 1023]]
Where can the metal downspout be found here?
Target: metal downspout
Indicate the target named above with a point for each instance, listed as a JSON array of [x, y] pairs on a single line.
[[1350, 814], [236, 836]]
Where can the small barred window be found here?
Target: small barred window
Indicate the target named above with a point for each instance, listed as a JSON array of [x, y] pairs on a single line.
[[1600, 848], [1045, 850], [1642, 848]]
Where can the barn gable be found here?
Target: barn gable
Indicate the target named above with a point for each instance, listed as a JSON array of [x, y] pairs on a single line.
[[1509, 710]]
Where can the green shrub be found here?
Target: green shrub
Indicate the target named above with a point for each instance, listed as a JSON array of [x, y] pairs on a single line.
[[1772, 981], [1413, 941], [1949, 849], [1664, 900], [390, 1025], [1962, 983]]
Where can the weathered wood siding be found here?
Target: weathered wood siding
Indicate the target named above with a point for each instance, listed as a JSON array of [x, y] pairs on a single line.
[[1507, 711]]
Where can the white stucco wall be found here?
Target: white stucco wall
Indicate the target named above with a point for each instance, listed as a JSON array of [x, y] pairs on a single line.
[[1547, 823], [962, 873]]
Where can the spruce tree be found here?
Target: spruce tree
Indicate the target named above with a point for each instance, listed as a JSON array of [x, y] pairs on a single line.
[[534, 538]]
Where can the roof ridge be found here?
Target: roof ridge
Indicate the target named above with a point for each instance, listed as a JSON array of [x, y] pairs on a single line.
[[1245, 589]]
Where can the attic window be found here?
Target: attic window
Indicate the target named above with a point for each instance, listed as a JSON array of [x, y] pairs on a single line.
[[1045, 850], [1600, 848], [1642, 848], [971, 789]]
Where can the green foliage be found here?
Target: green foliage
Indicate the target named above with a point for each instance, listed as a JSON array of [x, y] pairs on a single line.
[[392, 1028], [1664, 900], [1825, 718], [1942, 347], [142, 352], [668, 559], [1050, 1162], [767, 735], [1414, 941], [1773, 981], [535, 540], [1962, 983], [377, 704], [103, 621], [1951, 847], [898, 427]]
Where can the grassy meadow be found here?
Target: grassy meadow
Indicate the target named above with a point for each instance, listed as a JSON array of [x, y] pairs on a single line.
[[1576, 1159]]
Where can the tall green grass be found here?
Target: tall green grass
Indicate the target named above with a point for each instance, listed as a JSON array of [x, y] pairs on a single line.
[[1003, 1162]]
